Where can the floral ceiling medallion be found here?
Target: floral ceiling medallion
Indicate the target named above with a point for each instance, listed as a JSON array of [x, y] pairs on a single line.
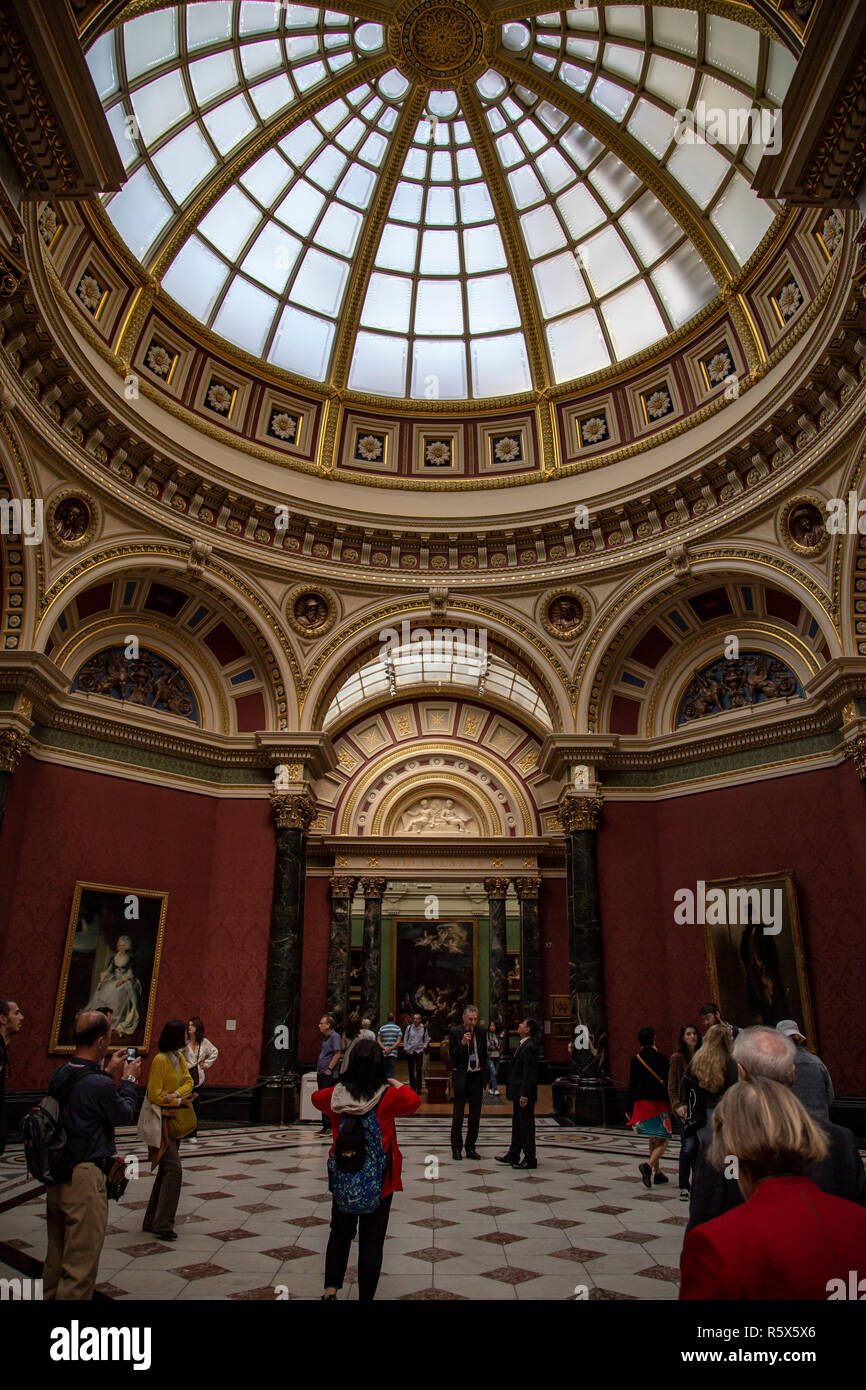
[[439, 40]]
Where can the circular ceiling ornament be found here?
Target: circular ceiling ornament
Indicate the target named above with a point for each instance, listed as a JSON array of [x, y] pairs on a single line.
[[438, 40], [801, 525], [71, 520], [564, 614], [311, 611]]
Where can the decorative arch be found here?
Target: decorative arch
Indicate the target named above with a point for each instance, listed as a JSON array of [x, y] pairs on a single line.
[[21, 566], [357, 641], [635, 612], [235, 641]]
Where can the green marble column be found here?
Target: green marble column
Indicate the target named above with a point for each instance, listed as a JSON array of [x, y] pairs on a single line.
[[340, 949], [497, 890], [580, 817], [294, 813], [373, 890], [528, 890]]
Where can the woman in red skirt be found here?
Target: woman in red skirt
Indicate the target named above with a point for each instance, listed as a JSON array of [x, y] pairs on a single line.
[[648, 1105]]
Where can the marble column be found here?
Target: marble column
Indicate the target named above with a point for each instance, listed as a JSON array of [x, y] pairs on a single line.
[[13, 746], [373, 890], [293, 812], [528, 890], [580, 817], [340, 949], [497, 890]]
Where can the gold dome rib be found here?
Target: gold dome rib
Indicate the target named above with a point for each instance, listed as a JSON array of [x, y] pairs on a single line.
[[247, 154], [739, 11], [718, 258], [363, 261], [512, 239]]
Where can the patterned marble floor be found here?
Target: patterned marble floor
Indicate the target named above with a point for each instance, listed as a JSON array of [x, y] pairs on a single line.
[[253, 1220]]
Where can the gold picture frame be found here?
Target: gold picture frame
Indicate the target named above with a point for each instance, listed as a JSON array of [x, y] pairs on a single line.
[[755, 975], [99, 969], [560, 1008]]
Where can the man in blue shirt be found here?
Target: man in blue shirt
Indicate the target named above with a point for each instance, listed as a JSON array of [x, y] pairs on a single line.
[[390, 1038], [77, 1210], [328, 1065]]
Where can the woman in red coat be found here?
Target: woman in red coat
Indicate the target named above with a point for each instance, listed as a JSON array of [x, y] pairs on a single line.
[[789, 1240], [364, 1087]]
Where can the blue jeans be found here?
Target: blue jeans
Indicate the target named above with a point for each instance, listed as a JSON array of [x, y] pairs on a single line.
[[390, 1064], [688, 1152], [494, 1085]]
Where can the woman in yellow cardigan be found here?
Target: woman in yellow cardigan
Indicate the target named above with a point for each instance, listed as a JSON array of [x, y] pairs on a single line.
[[170, 1090]]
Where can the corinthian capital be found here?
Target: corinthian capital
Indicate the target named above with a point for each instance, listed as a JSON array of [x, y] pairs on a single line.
[[13, 746], [856, 751], [293, 810], [579, 812], [496, 887], [374, 887], [342, 886], [529, 887]]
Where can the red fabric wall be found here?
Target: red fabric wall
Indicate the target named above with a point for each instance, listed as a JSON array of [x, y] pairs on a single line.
[[554, 957], [215, 859], [813, 824]]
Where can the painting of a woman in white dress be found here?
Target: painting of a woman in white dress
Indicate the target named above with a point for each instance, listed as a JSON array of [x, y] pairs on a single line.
[[119, 989], [111, 962]]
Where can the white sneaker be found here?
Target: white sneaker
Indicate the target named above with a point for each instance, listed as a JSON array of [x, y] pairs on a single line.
[[192, 1140]]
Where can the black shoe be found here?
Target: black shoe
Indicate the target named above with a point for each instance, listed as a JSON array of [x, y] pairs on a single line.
[[659, 1179], [165, 1235], [504, 1158], [456, 1153], [473, 1153], [646, 1174], [522, 1163]]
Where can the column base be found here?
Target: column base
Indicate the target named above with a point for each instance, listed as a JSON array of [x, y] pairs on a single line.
[[586, 1100], [277, 1102]]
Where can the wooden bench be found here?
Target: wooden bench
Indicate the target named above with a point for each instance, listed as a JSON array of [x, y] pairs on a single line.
[[437, 1089]]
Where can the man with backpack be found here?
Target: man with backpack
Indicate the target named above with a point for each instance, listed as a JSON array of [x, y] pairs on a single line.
[[90, 1106]]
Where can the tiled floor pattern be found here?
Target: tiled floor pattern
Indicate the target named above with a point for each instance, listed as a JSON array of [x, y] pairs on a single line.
[[253, 1218]]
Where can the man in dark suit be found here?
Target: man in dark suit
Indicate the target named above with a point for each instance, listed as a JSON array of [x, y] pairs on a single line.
[[759, 1052], [522, 1091], [468, 1046]]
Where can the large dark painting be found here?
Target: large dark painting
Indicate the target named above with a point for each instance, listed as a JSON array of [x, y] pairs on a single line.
[[435, 971], [758, 972], [111, 960]]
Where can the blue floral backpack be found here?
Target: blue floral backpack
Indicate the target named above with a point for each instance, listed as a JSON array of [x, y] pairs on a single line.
[[357, 1166]]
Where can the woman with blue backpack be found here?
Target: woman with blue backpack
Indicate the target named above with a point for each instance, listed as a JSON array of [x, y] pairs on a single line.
[[364, 1165]]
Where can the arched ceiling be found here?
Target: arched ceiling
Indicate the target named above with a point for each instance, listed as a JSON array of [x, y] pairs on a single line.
[[428, 203]]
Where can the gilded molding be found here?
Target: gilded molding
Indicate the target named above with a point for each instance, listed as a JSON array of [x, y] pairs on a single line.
[[579, 812], [496, 887], [374, 888], [13, 747], [527, 888], [343, 886], [293, 810], [856, 751]]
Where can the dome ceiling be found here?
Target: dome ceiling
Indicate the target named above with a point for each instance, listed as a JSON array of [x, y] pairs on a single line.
[[435, 206]]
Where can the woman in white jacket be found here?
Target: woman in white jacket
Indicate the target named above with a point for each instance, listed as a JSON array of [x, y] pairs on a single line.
[[200, 1055]]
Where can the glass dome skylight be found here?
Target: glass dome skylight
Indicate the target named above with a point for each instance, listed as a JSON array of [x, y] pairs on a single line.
[[305, 193]]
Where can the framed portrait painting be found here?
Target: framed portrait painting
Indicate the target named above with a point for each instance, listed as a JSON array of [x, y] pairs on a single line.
[[755, 957], [111, 961]]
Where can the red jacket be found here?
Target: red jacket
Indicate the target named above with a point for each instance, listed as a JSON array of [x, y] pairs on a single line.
[[397, 1100], [786, 1242]]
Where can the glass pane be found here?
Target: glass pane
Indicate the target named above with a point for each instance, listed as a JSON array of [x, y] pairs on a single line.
[[259, 58], [149, 40], [441, 208], [270, 97], [339, 230], [195, 278], [229, 123], [271, 256], [320, 282], [483, 249], [542, 231], [212, 76], [267, 178], [302, 344], [560, 285], [439, 307], [184, 161], [625, 62], [475, 203], [741, 217], [579, 211], [387, 304], [652, 126], [159, 106], [442, 363], [206, 23], [379, 365], [230, 221], [492, 305], [614, 181], [139, 212], [669, 80], [699, 168], [525, 188], [606, 260], [245, 315], [499, 365], [397, 248], [633, 320], [684, 284], [577, 346], [650, 228], [733, 47], [677, 29], [612, 98], [300, 207], [102, 64], [440, 253]]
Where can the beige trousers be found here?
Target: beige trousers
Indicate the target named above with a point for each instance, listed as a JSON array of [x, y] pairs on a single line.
[[77, 1218]]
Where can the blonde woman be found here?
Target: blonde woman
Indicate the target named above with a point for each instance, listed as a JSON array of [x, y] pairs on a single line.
[[789, 1240], [711, 1071]]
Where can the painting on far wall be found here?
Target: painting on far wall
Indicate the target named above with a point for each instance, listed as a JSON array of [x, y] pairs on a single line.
[[111, 960], [755, 957], [435, 971]]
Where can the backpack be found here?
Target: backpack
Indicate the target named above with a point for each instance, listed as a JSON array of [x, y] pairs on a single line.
[[46, 1144], [357, 1166]]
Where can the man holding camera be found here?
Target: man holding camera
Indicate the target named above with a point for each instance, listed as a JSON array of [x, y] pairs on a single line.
[[92, 1102], [468, 1047]]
